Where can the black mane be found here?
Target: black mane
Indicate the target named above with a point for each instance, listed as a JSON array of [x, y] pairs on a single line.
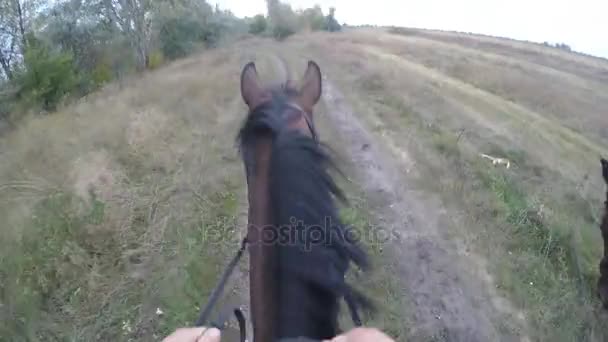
[[604, 224], [605, 175], [603, 280], [314, 251]]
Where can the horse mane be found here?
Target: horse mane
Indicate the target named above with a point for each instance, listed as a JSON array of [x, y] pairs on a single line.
[[604, 224], [314, 249], [603, 281], [605, 174]]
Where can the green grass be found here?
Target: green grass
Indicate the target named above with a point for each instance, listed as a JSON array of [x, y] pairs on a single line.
[[541, 250], [541, 244], [380, 284], [72, 275], [446, 144], [543, 268]]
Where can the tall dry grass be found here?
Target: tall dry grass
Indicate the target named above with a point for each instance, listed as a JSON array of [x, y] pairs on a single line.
[[109, 205]]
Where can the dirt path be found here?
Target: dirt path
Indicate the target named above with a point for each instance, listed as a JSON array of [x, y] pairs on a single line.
[[447, 307], [445, 302]]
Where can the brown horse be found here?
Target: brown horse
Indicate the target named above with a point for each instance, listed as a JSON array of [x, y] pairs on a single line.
[[299, 250], [603, 282]]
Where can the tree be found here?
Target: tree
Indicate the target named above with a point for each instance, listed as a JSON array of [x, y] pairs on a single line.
[[313, 19], [16, 18], [75, 27], [81, 44], [283, 20], [134, 19], [8, 43], [178, 36], [332, 23]]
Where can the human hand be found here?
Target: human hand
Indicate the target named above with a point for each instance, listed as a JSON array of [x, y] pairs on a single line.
[[362, 335], [194, 335], [213, 335]]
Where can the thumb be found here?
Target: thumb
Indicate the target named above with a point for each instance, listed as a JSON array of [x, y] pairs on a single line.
[[210, 335]]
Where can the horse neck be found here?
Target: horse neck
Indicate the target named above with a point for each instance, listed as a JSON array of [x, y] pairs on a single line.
[[604, 225], [263, 288], [285, 304]]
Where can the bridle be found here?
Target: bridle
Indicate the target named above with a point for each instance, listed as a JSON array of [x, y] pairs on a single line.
[[220, 322], [307, 117]]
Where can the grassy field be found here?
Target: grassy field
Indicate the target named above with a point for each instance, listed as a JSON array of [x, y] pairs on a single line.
[[112, 206]]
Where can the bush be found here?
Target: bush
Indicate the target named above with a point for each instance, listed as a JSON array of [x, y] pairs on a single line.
[[48, 76], [258, 25], [156, 60], [281, 32], [179, 36], [212, 32], [102, 73]]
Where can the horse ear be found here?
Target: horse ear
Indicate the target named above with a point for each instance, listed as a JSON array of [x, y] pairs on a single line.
[[605, 169], [310, 93], [250, 86]]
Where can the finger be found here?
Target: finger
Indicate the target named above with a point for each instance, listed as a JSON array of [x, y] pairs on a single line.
[[185, 335], [210, 335], [340, 338], [363, 335]]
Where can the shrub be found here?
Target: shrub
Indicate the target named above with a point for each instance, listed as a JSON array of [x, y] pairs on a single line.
[[178, 36], [281, 32], [156, 60], [213, 31], [258, 25], [48, 76], [102, 73]]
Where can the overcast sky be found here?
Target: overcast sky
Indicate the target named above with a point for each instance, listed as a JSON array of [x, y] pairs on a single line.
[[582, 24]]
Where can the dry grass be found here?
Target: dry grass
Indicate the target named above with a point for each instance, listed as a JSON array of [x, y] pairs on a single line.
[[107, 203], [589, 67]]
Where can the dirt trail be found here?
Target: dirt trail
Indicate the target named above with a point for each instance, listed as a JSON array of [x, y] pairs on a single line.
[[447, 307], [435, 273]]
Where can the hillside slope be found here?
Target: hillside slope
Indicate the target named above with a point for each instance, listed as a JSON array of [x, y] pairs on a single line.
[[131, 200]]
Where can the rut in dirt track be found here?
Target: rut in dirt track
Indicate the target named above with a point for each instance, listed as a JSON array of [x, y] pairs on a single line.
[[446, 307]]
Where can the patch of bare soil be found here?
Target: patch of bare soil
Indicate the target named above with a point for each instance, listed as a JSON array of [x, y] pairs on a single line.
[[448, 303]]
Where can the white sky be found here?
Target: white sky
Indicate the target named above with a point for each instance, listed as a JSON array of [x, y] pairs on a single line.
[[582, 24]]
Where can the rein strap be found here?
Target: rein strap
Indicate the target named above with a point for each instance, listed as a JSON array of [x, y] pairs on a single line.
[[217, 292]]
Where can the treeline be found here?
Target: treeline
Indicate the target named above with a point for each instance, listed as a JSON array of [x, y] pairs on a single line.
[[561, 46], [51, 50], [282, 21]]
